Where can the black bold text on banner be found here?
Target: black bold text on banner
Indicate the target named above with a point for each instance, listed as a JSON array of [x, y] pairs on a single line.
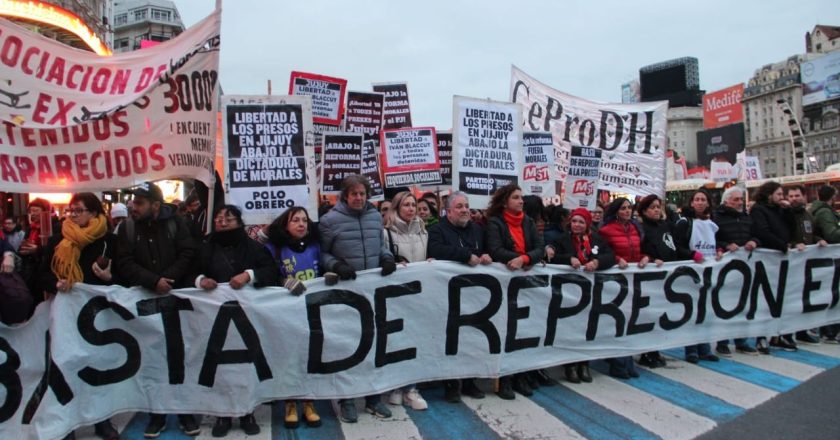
[[341, 157], [397, 108], [364, 113]]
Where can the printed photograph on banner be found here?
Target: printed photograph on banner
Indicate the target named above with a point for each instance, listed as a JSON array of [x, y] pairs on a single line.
[[141, 116], [370, 169], [364, 114], [539, 173], [487, 146], [397, 112], [327, 95], [341, 157], [631, 136], [268, 164], [410, 157], [581, 185]]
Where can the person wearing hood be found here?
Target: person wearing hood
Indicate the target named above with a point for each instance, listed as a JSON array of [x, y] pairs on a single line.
[[155, 250], [406, 237], [351, 240], [583, 249], [119, 212]]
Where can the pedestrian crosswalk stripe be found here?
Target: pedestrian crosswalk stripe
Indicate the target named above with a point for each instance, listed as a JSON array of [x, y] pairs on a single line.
[[809, 358], [398, 426], [741, 370], [832, 350]]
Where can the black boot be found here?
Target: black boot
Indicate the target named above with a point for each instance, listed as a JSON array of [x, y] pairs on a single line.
[[505, 388], [520, 385], [583, 372], [469, 388], [571, 373], [544, 379], [452, 391]]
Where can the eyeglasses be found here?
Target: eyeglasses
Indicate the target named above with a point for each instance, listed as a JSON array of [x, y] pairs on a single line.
[[77, 211]]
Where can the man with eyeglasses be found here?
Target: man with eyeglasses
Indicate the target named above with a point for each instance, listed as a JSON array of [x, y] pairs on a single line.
[[457, 238], [155, 250]]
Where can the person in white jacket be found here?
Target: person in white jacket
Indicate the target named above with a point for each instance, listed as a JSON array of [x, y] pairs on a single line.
[[406, 237]]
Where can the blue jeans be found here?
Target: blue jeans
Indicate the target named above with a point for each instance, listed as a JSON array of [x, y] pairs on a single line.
[[698, 350], [739, 342], [621, 365]]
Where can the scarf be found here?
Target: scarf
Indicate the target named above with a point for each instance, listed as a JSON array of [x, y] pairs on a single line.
[[65, 261], [229, 238], [583, 247], [514, 222]]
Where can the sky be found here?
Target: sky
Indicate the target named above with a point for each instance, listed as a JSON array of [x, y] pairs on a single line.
[[446, 48]]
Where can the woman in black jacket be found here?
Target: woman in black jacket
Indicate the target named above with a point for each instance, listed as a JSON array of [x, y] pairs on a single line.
[[582, 248]]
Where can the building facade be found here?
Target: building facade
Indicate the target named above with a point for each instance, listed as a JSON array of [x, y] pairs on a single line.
[[683, 125], [83, 24], [822, 39], [136, 21]]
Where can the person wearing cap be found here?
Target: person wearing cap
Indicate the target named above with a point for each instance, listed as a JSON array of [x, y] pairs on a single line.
[[583, 249], [155, 250], [119, 213]]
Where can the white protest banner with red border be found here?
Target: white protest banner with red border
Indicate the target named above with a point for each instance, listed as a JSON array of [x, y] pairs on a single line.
[[327, 94], [410, 157], [76, 121]]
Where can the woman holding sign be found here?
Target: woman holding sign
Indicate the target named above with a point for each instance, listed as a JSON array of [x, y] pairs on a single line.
[[624, 235], [512, 239], [406, 237]]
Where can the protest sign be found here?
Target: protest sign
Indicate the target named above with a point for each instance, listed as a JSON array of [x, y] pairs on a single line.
[[364, 114], [268, 164], [539, 175], [580, 189], [341, 157], [110, 349], [410, 157], [748, 167], [327, 95], [722, 171], [370, 169], [76, 121], [487, 146], [397, 109], [632, 137]]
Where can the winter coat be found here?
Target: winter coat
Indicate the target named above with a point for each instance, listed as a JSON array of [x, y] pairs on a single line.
[[827, 221], [14, 239], [352, 236], [221, 260], [500, 244], [157, 251], [772, 224], [407, 241], [565, 250], [105, 245], [660, 241], [803, 227], [625, 239], [733, 227], [299, 259], [453, 243]]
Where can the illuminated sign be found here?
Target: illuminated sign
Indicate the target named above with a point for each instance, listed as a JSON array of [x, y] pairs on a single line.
[[55, 16]]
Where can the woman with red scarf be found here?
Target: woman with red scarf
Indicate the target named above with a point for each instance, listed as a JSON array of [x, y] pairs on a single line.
[[512, 239], [583, 249], [624, 235]]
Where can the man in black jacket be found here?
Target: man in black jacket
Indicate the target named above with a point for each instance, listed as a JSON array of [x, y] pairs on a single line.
[[155, 250], [456, 238]]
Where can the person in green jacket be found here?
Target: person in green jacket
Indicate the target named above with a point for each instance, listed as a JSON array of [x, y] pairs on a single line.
[[827, 220]]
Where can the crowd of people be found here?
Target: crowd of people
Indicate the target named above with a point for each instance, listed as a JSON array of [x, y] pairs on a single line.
[[155, 245]]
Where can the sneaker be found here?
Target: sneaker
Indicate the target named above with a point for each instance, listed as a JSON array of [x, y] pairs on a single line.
[[290, 420], [313, 420], [415, 400], [378, 409], [249, 425], [723, 350], [105, 430], [395, 397], [761, 346], [469, 388], [805, 338], [451, 391], [829, 339], [505, 389], [710, 357], [647, 360], [746, 349], [156, 425], [188, 425], [348, 411], [692, 359], [783, 343], [660, 360], [221, 427]]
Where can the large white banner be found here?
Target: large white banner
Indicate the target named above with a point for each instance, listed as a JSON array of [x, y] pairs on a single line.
[[631, 136], [75, 121], [486, 146], [111, 349], [269, 159]]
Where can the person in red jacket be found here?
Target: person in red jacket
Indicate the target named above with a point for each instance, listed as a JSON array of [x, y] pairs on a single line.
[[624, 235]]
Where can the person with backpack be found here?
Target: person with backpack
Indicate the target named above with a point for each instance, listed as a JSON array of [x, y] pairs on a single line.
[[155, 250]]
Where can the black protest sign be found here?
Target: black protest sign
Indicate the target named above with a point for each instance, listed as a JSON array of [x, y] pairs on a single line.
[[341, 157], [397, 109], [411, 157], [327, 95], [444, 143], [370, 169], [364, 114]]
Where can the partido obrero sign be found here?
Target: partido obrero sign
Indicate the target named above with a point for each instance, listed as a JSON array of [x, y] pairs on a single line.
[[102, 350]]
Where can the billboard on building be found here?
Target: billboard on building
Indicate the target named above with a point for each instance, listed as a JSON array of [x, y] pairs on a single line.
[[720, 144], [820, 79], [723, 107]]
